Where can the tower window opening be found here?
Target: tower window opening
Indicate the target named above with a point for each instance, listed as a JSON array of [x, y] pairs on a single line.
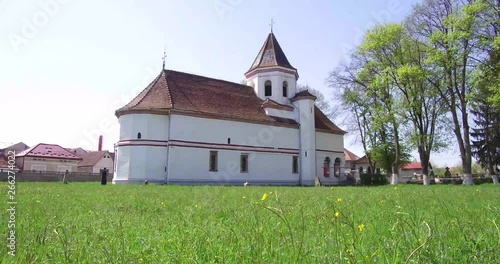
[[268, 88], [285, 89]]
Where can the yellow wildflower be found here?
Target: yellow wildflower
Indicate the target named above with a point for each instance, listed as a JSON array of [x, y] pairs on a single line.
[[244, 197], [337, 214], [339, 200], [264, 196], [361, 227], [395, 188]]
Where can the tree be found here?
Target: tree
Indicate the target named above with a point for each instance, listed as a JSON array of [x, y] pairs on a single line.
[[486, 134], [489, 45], [355, 104], [448, 27]]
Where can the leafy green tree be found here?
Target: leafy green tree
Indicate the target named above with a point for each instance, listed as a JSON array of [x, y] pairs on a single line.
[[448, 27]]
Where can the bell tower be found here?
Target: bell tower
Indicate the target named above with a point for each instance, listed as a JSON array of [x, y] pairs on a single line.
[[271, 75]]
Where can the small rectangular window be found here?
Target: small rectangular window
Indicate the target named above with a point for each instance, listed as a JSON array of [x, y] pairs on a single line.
[[295, 164], [244, 163], [213, 161]]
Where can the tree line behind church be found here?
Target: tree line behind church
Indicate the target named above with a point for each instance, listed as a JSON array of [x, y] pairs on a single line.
[[427, 83]]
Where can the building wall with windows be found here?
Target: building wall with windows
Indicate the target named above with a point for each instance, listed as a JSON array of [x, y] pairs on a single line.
[[38, 164], [182, 154]]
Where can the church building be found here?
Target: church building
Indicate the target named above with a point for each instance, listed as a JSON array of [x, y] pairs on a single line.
[[190, 129]]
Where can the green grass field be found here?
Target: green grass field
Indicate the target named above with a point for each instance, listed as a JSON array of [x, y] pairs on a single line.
[[90, 223]]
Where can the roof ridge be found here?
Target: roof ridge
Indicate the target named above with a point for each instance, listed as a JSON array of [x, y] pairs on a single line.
[[168, 89], [211, 78]]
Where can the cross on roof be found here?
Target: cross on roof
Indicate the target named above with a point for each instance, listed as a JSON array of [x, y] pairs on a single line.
[[271, 24], [164, 56]]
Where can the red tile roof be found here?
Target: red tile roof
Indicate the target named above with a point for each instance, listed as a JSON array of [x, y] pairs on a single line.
[[324, 124], [91, 158], [270, 55], [412, 166], [48, 151], [349, 156], [268, 103], [193, 95], [190, 94], [304, 94]]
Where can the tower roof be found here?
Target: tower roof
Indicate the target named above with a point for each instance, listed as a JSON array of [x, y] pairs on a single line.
[[271, 55]]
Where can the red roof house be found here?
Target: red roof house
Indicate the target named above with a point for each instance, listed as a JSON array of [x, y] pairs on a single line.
[[47, 158]]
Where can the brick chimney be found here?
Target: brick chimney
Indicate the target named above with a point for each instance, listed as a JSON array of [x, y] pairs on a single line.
[[99, 147]]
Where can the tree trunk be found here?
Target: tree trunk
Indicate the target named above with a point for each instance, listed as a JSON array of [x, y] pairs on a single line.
[[426, 179], [468, 179], [394, 179], [490, 172], [424, 161], [494, 177]]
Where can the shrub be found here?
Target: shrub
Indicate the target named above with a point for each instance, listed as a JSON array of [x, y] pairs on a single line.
[[483, 180], [373, 179]]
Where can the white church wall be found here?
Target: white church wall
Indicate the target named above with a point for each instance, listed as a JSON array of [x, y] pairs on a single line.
[[142, 159], [276, 79], [135, 164], [329, 141], [192, 165], [271, 150], [218, 131], [331, 146], [281, 113], [152, 127]]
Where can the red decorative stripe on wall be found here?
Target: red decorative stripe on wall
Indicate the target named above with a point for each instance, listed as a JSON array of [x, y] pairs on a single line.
[[137, 140], [235, 145], [142, 145], [331, 151], [235, 149]]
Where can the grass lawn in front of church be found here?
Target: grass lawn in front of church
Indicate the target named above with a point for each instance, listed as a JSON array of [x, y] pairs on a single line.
[[90, 223]]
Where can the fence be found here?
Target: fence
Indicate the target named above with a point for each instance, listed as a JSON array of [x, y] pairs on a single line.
[[55, 177]]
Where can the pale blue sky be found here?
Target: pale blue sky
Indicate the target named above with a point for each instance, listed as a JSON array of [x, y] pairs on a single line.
[[65, 68]]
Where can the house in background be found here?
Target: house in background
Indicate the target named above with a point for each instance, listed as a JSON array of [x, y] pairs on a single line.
[[47, 158], [94, 161], [411, 169], [356, 165], [17, 148], [350, 161], [78, 151]]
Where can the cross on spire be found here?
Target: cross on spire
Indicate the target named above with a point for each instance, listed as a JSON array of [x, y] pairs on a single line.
[[271, 24], [164, 55]]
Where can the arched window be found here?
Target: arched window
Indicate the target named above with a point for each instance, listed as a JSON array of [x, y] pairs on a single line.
[[369, 170], [336, 168], [326, 167], [361, 170], [139, 135], [285, 89], [268, 88]]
